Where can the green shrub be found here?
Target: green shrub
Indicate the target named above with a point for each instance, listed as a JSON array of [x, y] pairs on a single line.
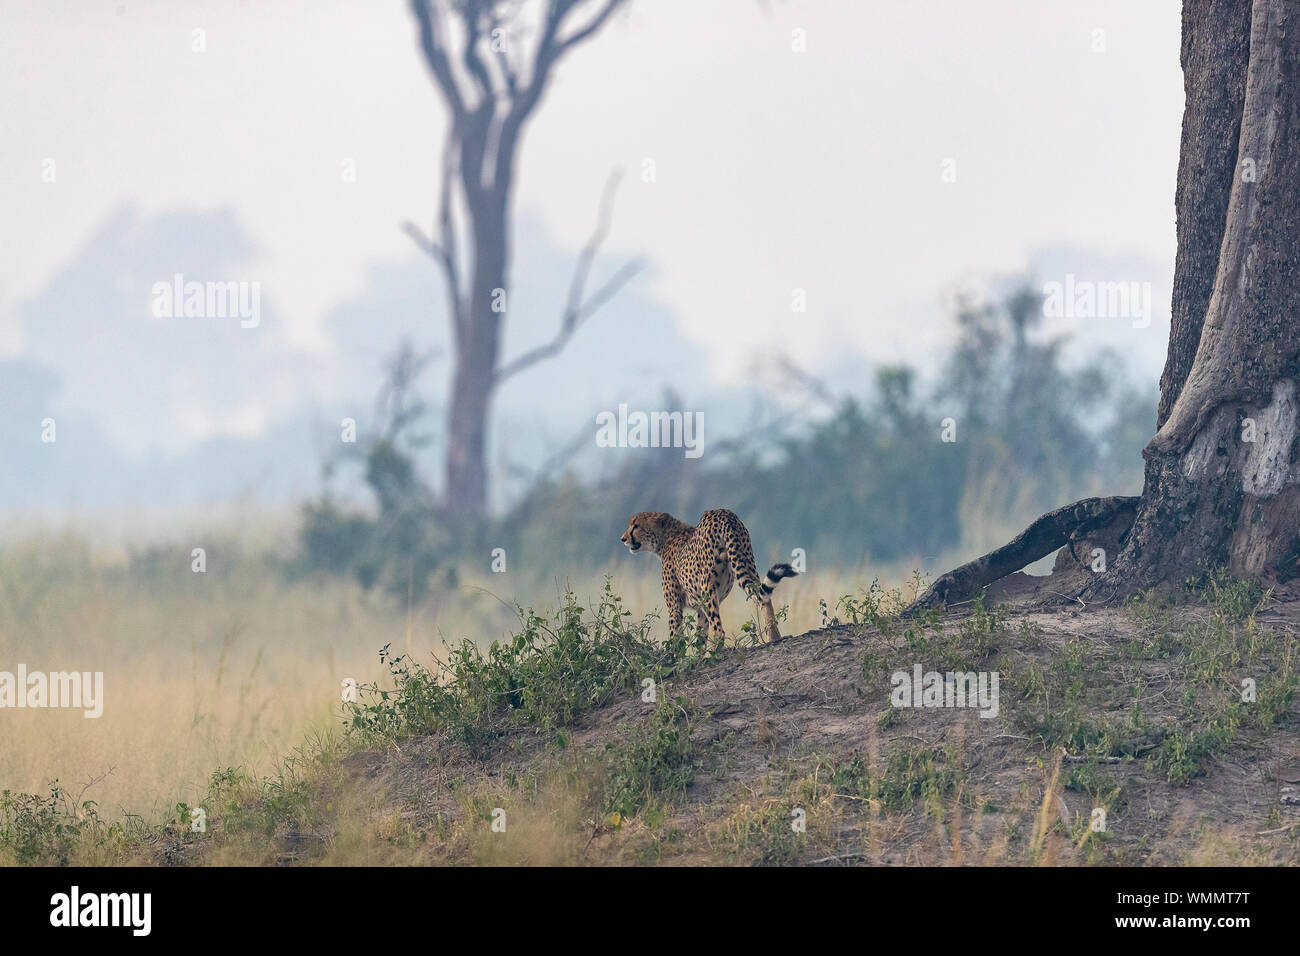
[[551, 671], [655, 761]]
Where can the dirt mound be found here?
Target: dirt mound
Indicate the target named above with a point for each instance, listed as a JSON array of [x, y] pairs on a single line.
[[1118, 736]]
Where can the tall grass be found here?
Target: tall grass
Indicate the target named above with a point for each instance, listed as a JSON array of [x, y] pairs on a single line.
[[233, 666], [224, 668]]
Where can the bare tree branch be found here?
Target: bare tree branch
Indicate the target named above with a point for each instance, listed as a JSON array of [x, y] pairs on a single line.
[[473, 14], [807, 381], [579, 308], [447, 230], [522, 103], [550, 49], [434, 47], [446, 252], [509, 72], [595, 24], [425, 244]]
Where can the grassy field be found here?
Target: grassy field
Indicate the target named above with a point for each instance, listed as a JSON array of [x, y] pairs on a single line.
[[234, 667], [229, 702], [201, 671]]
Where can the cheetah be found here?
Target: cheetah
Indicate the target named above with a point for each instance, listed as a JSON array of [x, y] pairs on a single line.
[[701, 563]]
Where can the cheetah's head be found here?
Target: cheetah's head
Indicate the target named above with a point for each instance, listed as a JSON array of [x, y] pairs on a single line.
[[645, 530]]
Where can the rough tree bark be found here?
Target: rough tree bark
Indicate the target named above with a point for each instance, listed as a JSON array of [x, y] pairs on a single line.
[[1222, 484], [1215, 51], [490, 89], [1222, 472]]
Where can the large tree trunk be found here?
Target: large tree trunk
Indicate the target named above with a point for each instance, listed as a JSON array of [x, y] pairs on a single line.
[[1216, 49], [1222, 472]]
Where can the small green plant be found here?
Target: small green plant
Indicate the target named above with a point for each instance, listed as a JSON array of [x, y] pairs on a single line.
[[49, 830], [1186, 751], [652, 765], [36, 829], [977, 637], [1234, 598], [874, 605], [909, 774]]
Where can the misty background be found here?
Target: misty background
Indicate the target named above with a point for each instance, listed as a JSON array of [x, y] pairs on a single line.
[[844, 214], [918, 208]]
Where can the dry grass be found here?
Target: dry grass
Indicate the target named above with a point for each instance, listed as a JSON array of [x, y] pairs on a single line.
[[221, 670], [235, 666]]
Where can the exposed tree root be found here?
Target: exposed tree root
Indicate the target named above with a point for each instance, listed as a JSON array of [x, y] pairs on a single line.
[[1050, 532]]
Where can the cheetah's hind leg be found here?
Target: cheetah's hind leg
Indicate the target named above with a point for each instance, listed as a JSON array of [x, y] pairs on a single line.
[[769, 622]]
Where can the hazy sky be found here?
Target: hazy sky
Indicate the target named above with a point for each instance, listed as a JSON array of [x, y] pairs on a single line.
[[774, 169]]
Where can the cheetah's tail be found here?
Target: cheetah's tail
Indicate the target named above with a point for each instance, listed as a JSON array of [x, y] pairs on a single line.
[[774, 575]]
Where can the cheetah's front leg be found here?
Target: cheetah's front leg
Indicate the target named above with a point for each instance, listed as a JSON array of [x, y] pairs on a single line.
[[674, 600]]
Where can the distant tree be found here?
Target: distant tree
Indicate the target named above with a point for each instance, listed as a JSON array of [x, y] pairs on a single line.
[[1020, 407], [406, 541], [491, 81]]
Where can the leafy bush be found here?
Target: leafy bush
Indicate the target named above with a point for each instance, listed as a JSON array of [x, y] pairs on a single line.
[[550, 672], [54, 829]]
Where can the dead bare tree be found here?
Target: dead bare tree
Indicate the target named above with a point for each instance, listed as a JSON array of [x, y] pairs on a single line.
[[491, 85], [1223, 470]]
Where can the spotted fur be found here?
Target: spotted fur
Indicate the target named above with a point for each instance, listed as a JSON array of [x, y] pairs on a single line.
[[701, 563]]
